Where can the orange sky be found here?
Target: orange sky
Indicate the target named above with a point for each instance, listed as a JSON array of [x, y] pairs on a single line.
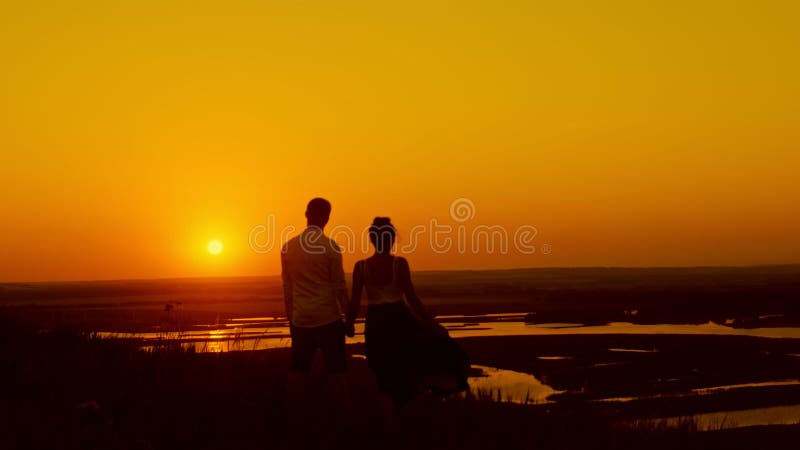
[[627, 132]]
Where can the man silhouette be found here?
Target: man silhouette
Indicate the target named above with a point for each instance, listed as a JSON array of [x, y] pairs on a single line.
[[315, 293]]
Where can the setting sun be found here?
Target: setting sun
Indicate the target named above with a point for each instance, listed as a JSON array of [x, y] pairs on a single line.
[[215, 247]]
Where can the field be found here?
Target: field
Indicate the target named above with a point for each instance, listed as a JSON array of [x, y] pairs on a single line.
[[75, 392], [70, 389]]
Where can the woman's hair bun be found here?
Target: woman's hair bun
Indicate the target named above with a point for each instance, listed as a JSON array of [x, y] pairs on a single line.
[[382, 233], [381, 221]]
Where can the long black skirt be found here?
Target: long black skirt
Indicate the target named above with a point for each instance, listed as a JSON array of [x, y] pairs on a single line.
[[408, 356]]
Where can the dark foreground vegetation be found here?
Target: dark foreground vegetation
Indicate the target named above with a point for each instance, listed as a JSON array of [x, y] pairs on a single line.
[[67, 390]]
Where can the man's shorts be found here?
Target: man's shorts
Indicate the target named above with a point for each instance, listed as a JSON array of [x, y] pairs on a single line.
[[329, 338]]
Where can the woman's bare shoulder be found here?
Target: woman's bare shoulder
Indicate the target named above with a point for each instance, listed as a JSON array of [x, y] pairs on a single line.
[[402, 263]]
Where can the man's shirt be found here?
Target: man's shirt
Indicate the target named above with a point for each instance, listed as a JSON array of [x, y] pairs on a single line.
[[314, 286]]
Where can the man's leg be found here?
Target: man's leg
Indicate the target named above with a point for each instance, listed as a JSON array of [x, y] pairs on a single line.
[[332, 344], [303, 347]]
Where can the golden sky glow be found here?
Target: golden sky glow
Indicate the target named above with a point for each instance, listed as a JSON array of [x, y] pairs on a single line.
[[627, 132]]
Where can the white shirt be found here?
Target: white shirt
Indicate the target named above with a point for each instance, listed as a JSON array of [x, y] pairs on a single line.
[[314, 287]]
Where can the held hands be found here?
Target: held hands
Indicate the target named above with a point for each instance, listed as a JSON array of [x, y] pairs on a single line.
[[437, 328]]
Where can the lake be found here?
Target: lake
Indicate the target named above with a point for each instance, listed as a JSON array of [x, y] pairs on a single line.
[[260, 333]]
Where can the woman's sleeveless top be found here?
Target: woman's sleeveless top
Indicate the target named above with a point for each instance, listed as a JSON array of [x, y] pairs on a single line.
[[382, 294]]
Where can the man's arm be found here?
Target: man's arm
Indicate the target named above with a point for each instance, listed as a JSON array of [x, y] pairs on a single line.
[[288, 297]]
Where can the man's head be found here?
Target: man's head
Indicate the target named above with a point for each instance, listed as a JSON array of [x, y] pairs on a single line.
[[318, 212]]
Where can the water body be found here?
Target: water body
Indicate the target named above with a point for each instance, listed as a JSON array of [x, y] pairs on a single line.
[[706, 390], [775, 415], [522, 388], [509, 386], [259, 333]]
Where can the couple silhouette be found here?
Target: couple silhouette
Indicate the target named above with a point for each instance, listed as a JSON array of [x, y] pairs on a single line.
[[408, 351]]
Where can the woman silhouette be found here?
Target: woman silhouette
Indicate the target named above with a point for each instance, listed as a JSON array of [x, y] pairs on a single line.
[[408, 351]]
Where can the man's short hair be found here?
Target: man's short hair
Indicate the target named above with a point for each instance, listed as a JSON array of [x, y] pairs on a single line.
[[318, 210]]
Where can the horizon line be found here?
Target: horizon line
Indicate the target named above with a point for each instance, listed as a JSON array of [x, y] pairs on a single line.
[[213, 277]]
